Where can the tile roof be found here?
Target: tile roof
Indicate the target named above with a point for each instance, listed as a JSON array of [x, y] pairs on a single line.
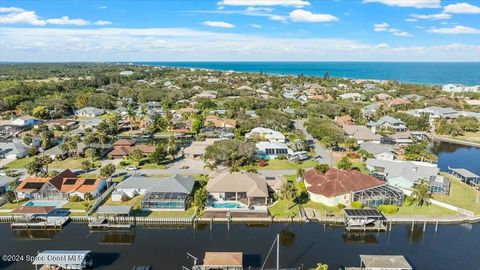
[[337, 182], [234, 259]]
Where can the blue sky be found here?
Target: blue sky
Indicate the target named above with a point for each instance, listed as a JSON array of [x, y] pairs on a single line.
[[240, 30]]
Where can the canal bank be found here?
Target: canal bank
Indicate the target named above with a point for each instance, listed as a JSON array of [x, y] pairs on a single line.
[[450, 247]]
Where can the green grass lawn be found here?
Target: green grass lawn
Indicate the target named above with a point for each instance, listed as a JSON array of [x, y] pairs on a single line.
[[461, 195], [468, 136], [284, 209], [165, 214], [76, 205], [134, 202], [430, 210], [283, 165], [357, 163], [8, 205], [146, 164], [19, 163], [69, 163], [322, 208]]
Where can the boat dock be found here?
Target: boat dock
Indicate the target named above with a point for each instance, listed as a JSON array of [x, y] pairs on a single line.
[[41, 223], [103, 223]]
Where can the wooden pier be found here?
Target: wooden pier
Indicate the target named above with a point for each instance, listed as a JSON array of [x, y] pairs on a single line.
[[47, 223], [103, 223]]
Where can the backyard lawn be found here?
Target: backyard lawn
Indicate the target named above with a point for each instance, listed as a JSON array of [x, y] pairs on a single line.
[[165, 214], [284, 209], [461, 195], [8, 205], [323, 209], [146, 164], [275, 164], [468, 136], [134, 202], [69, 163], [76, 205], [19, 163], [430, 210]]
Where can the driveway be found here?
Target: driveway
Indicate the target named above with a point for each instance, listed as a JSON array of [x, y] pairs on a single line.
[[323, 155]]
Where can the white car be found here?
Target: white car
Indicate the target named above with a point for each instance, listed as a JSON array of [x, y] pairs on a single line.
[[131, 168]]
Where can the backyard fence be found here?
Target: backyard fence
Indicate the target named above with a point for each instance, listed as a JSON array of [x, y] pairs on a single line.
[[101, 199]]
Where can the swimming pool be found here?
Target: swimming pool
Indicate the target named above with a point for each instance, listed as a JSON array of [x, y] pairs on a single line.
[[229, 205], [42, 203]]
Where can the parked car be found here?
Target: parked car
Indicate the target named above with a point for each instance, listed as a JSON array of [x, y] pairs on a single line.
[[131, 168]]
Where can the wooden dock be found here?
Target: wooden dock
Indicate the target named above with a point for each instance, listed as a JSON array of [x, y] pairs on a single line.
[[103, 223], [48, 223]]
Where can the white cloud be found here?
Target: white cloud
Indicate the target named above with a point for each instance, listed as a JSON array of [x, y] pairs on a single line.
[[411, 20], [439, 16], [66, 20], [183, 44], [218, 24], [278, 18], [300, 15], [102, 7], [256, 25], [294, 3], [102, 22], [459, 29], [28, 17], [10, 9], [462, 8], [384, 27], [408, 3], [380, 27]]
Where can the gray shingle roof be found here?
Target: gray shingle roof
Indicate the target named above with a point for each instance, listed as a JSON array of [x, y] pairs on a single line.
[[176, 183]]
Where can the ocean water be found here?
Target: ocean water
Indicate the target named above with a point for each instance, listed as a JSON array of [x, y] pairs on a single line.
[[414, 72]]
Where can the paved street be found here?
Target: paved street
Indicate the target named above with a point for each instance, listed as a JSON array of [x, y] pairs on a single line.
[[323, 155]]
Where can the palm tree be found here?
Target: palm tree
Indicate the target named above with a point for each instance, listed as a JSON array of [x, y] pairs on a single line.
[[288, 191], [210, 165], [421, 194], [300, 173], [131, 115]]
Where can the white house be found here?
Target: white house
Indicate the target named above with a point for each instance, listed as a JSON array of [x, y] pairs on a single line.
[[267, 134], [352, 96], [379, 151], [89, 112], [13, 150]]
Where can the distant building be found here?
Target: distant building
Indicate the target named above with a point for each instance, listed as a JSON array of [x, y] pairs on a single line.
[[89, 112], [351, 96], [387, 122], [379, 151], [458, 88], [266, 134]]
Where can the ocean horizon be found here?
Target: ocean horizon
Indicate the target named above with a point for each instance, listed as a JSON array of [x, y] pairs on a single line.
[[436, 73]]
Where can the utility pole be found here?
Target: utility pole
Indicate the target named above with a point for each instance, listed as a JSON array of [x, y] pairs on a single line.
[[278, 251]]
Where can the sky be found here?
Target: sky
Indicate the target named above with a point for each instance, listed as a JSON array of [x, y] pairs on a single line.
[[240, 30]]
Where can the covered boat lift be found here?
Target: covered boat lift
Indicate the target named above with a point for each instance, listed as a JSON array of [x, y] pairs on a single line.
[[465, 175], [384, 262], [64, 259], [364, 219]]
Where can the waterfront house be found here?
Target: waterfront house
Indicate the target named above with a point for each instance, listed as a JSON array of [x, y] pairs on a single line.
[[465, 175], [267, 134], [405, 174], [435, 112], [382, 262], [160, 193], [124, 147], [222, 261], [361, 134], [89, 112], [60, 187], [244, 187], [342, 187], [379, 151], [387, 123]]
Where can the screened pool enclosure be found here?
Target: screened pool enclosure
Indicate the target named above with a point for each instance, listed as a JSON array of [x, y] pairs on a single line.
[[165, 200], [376, 196]]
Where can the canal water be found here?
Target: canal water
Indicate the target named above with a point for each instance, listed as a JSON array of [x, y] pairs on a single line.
[[457, 156], [451, 247]]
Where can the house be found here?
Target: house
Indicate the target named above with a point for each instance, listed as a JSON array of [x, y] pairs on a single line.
[[266, 134], [371, 109], [91, 124], [126, 73], [403, 174], [160, 193], [399, 138], [382, 262], [124, 147], [241, 187], [89, 112], [4, 182], [361, 134], [271, 150], [342, 187], [344, 120], [207, 94], [65, 124], [25, 121], [222, 261], [435, 112], [55, 152], [213, 120], [413, 97], [13, 150], [383, 97], [387, 123], [351, 96], [60, 187], [379, 151], [398, 102], [197, 148]]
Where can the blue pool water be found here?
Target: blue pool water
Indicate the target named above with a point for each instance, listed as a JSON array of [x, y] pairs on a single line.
[[41, 203], [226, 205]]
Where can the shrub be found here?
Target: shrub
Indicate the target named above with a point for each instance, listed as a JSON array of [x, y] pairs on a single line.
[[281, 157], [74, 198], [262, 163], [357, 204], [340, 206], [124, 198], [388, 209], [122, 163]]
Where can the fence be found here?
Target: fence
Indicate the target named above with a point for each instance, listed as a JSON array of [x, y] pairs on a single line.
[[101, 198]]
